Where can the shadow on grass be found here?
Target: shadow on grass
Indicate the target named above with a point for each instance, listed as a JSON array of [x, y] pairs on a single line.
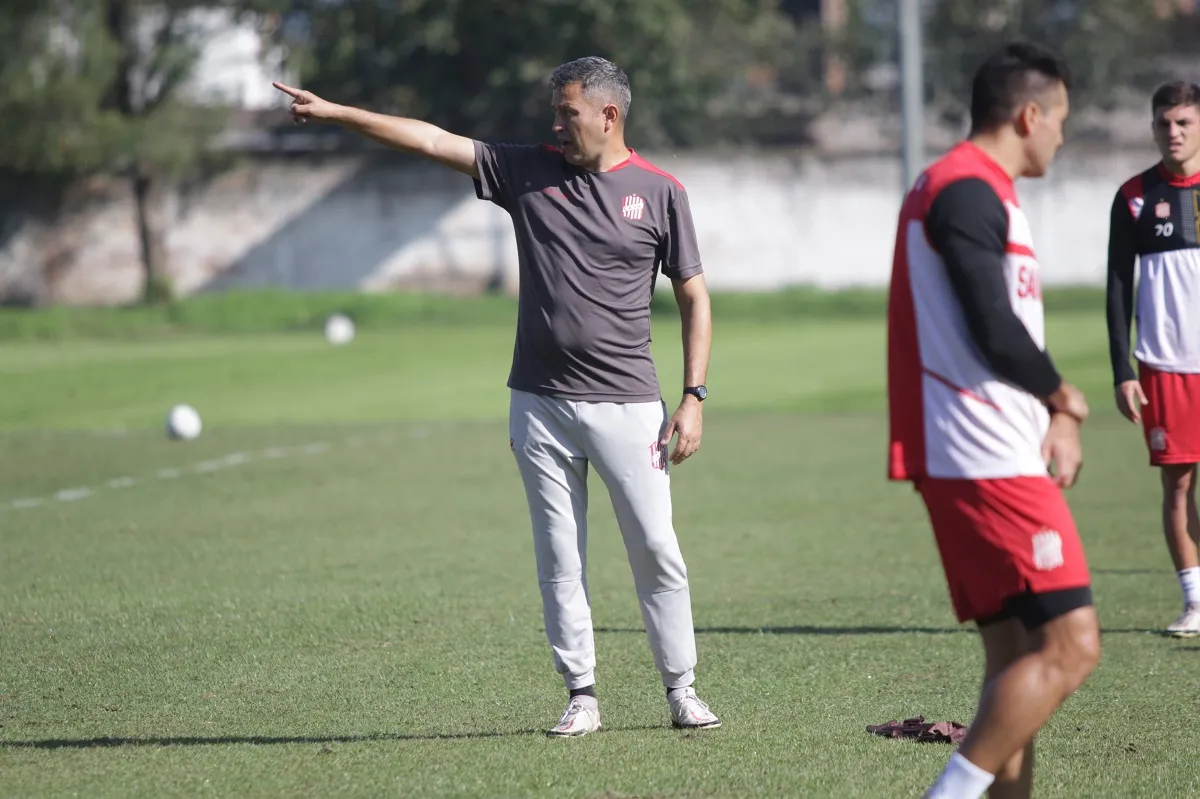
[[853, 631], [269, 740], [1129, 571], [806, 630]]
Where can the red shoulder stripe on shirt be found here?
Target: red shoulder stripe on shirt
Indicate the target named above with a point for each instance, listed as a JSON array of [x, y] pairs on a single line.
[[965, 161], [1131, 190], [550, 148], [642, 163]]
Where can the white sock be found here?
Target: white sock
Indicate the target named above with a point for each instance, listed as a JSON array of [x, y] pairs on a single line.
[[676, 693], [1189, 581], [961, 779]]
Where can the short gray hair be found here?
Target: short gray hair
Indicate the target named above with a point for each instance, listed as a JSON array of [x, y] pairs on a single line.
[[598, 78]]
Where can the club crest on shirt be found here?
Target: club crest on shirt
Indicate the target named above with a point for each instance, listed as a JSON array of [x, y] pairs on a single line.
[[1162, 210], [632, 207], [1158, 439]]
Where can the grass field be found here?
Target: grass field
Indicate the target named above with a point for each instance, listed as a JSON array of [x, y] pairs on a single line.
[[332, 591]]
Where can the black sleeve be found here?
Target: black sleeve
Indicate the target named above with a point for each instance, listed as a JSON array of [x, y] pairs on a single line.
[[968, 225], [1122, 254]]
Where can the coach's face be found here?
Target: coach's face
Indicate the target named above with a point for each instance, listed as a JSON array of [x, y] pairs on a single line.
[[1042, 125], [582, 125], [1177, 133]]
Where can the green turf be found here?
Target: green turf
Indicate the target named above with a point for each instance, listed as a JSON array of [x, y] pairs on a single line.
[[353, 609], [277, 310]]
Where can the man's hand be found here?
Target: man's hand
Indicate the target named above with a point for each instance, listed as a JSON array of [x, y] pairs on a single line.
[[1069, 400], [306, 105], [688, 422], [1062, 450], [1130, 399]]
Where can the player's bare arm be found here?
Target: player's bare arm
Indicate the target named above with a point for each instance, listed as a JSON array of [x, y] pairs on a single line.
[[1061, 448], [1130, 399], [407, 135], [1069, 401], [695, 313]]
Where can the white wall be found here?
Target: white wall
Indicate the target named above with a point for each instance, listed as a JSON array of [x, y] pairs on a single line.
[[763, 222]]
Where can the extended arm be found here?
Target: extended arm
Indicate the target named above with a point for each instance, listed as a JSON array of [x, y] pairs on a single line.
[[407, 135]]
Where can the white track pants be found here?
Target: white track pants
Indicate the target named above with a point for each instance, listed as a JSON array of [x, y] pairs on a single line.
[[554, 442]]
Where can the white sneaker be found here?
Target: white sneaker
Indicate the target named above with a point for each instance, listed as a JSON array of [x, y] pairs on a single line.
[[1188, 623], [581, 717], [689, 713]]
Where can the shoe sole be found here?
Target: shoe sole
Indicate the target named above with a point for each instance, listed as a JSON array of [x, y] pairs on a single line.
[[679, 726], [553, 734], [1184, 633]]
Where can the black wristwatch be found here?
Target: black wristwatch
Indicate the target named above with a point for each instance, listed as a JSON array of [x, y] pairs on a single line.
[[699, 392]]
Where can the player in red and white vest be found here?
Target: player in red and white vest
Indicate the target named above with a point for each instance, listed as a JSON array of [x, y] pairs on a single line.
[[978, 411], [1155, 225]]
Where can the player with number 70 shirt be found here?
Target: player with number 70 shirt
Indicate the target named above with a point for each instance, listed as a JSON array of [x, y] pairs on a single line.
[[1155, 226]]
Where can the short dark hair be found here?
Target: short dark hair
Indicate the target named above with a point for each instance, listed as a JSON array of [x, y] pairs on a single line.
[[1175, 93], [598, 78], [1010, 78]]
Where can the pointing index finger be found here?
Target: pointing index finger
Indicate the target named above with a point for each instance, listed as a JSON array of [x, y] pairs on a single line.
[[287, 89]]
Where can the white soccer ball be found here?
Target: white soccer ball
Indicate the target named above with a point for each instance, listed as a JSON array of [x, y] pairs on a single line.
[[183, 423], [339, 329]]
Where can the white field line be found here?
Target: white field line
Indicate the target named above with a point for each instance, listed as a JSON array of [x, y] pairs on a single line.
[[229, 461]]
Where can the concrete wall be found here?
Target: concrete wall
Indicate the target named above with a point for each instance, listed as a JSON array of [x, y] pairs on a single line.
[[764, 221]]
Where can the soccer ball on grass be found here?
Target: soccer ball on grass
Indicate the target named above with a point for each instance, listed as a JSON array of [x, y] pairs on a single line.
[[339, 329], [183, 423]]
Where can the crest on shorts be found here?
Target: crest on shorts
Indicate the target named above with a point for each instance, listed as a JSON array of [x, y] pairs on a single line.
[[632, 207], [1162, 209], [1158, 439], [1047, 550], [658, 456]]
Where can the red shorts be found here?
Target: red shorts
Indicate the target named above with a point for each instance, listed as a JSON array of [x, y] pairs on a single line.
[[1001, 540], [1171, 417]]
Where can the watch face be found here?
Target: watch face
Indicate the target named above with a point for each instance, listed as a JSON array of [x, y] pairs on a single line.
[[701, 393]]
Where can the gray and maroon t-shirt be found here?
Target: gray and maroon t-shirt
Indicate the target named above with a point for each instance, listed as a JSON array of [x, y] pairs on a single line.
[[589, 246]]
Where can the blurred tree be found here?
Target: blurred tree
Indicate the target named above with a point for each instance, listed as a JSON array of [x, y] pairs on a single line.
[[702, 71], [1111, 46], [51, 73], [96, 87]]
